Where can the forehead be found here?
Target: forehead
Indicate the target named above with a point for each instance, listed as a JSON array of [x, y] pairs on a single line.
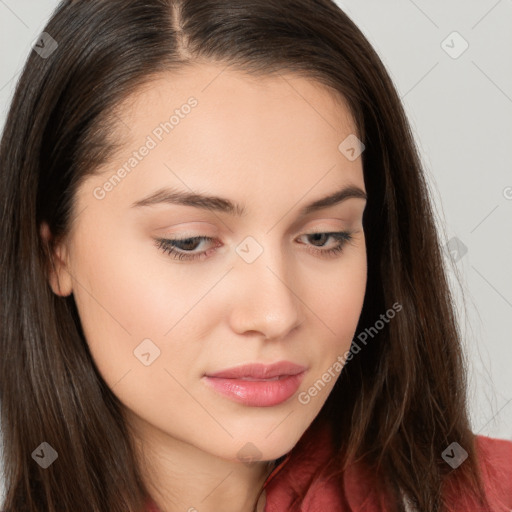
[[246, 137], [229, 99]]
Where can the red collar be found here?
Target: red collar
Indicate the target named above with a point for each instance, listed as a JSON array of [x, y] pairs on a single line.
[[314, 446], [298, 482]]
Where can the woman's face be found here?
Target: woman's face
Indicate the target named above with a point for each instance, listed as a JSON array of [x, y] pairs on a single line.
[[259, 288]]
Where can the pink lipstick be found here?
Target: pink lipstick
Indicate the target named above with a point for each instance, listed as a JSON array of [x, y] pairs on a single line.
[[258, 385]]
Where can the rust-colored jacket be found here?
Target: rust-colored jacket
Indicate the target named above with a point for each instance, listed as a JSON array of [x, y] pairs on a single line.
[[300, 472]]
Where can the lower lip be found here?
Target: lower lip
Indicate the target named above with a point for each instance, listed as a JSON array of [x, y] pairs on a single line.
[[257, 393]]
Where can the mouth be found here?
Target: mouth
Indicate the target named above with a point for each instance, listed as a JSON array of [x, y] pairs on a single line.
[[258, 385]]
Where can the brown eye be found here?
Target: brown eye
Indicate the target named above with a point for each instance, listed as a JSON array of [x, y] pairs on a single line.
[[343, 238], [179, 248]]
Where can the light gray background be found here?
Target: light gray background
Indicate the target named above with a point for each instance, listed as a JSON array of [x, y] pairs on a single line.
[[461, 111]]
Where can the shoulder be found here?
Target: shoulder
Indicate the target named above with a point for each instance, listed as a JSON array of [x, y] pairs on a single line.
[[499, 450], [301, 483], [310, 480], [495, 461]]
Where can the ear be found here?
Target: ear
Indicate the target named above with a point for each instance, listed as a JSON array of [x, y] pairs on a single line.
[[58, 275]]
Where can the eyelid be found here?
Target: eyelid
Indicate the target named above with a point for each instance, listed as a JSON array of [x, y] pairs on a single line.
[[343, 237]]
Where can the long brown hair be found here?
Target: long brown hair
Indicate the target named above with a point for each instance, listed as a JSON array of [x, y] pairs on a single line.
[[397, 404]]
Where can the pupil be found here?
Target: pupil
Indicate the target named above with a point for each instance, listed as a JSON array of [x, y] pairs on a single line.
[[189, 244], [318, 236]]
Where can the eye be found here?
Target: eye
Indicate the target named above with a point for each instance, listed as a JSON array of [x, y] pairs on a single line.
[[342, 238], [182, 248]]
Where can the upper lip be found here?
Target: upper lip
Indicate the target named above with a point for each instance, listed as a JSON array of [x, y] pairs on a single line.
[[260, 370]]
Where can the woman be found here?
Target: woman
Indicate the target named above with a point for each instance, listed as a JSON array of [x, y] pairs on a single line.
[[222, 288]]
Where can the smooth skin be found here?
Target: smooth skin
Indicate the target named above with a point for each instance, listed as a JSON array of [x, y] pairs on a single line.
[[271, 145]]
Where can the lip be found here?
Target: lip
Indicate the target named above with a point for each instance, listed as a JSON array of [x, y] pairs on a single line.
[[259, 371], [257, 384]]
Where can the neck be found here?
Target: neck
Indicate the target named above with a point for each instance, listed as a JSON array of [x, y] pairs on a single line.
[[181, 477]]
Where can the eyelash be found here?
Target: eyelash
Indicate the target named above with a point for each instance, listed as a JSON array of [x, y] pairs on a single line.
[[168, 247]]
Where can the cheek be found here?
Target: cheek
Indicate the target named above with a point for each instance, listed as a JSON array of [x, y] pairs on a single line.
[[125, 301], [336, 302], [344, 307], [122, 300], [339, 298]]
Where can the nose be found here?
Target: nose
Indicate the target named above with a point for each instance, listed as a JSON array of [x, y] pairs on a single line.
[[267, 298]]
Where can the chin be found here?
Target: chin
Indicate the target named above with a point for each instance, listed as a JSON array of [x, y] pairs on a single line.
[[266, 444]]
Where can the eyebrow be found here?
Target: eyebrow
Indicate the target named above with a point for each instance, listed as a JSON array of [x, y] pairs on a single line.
[[220, 204]]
